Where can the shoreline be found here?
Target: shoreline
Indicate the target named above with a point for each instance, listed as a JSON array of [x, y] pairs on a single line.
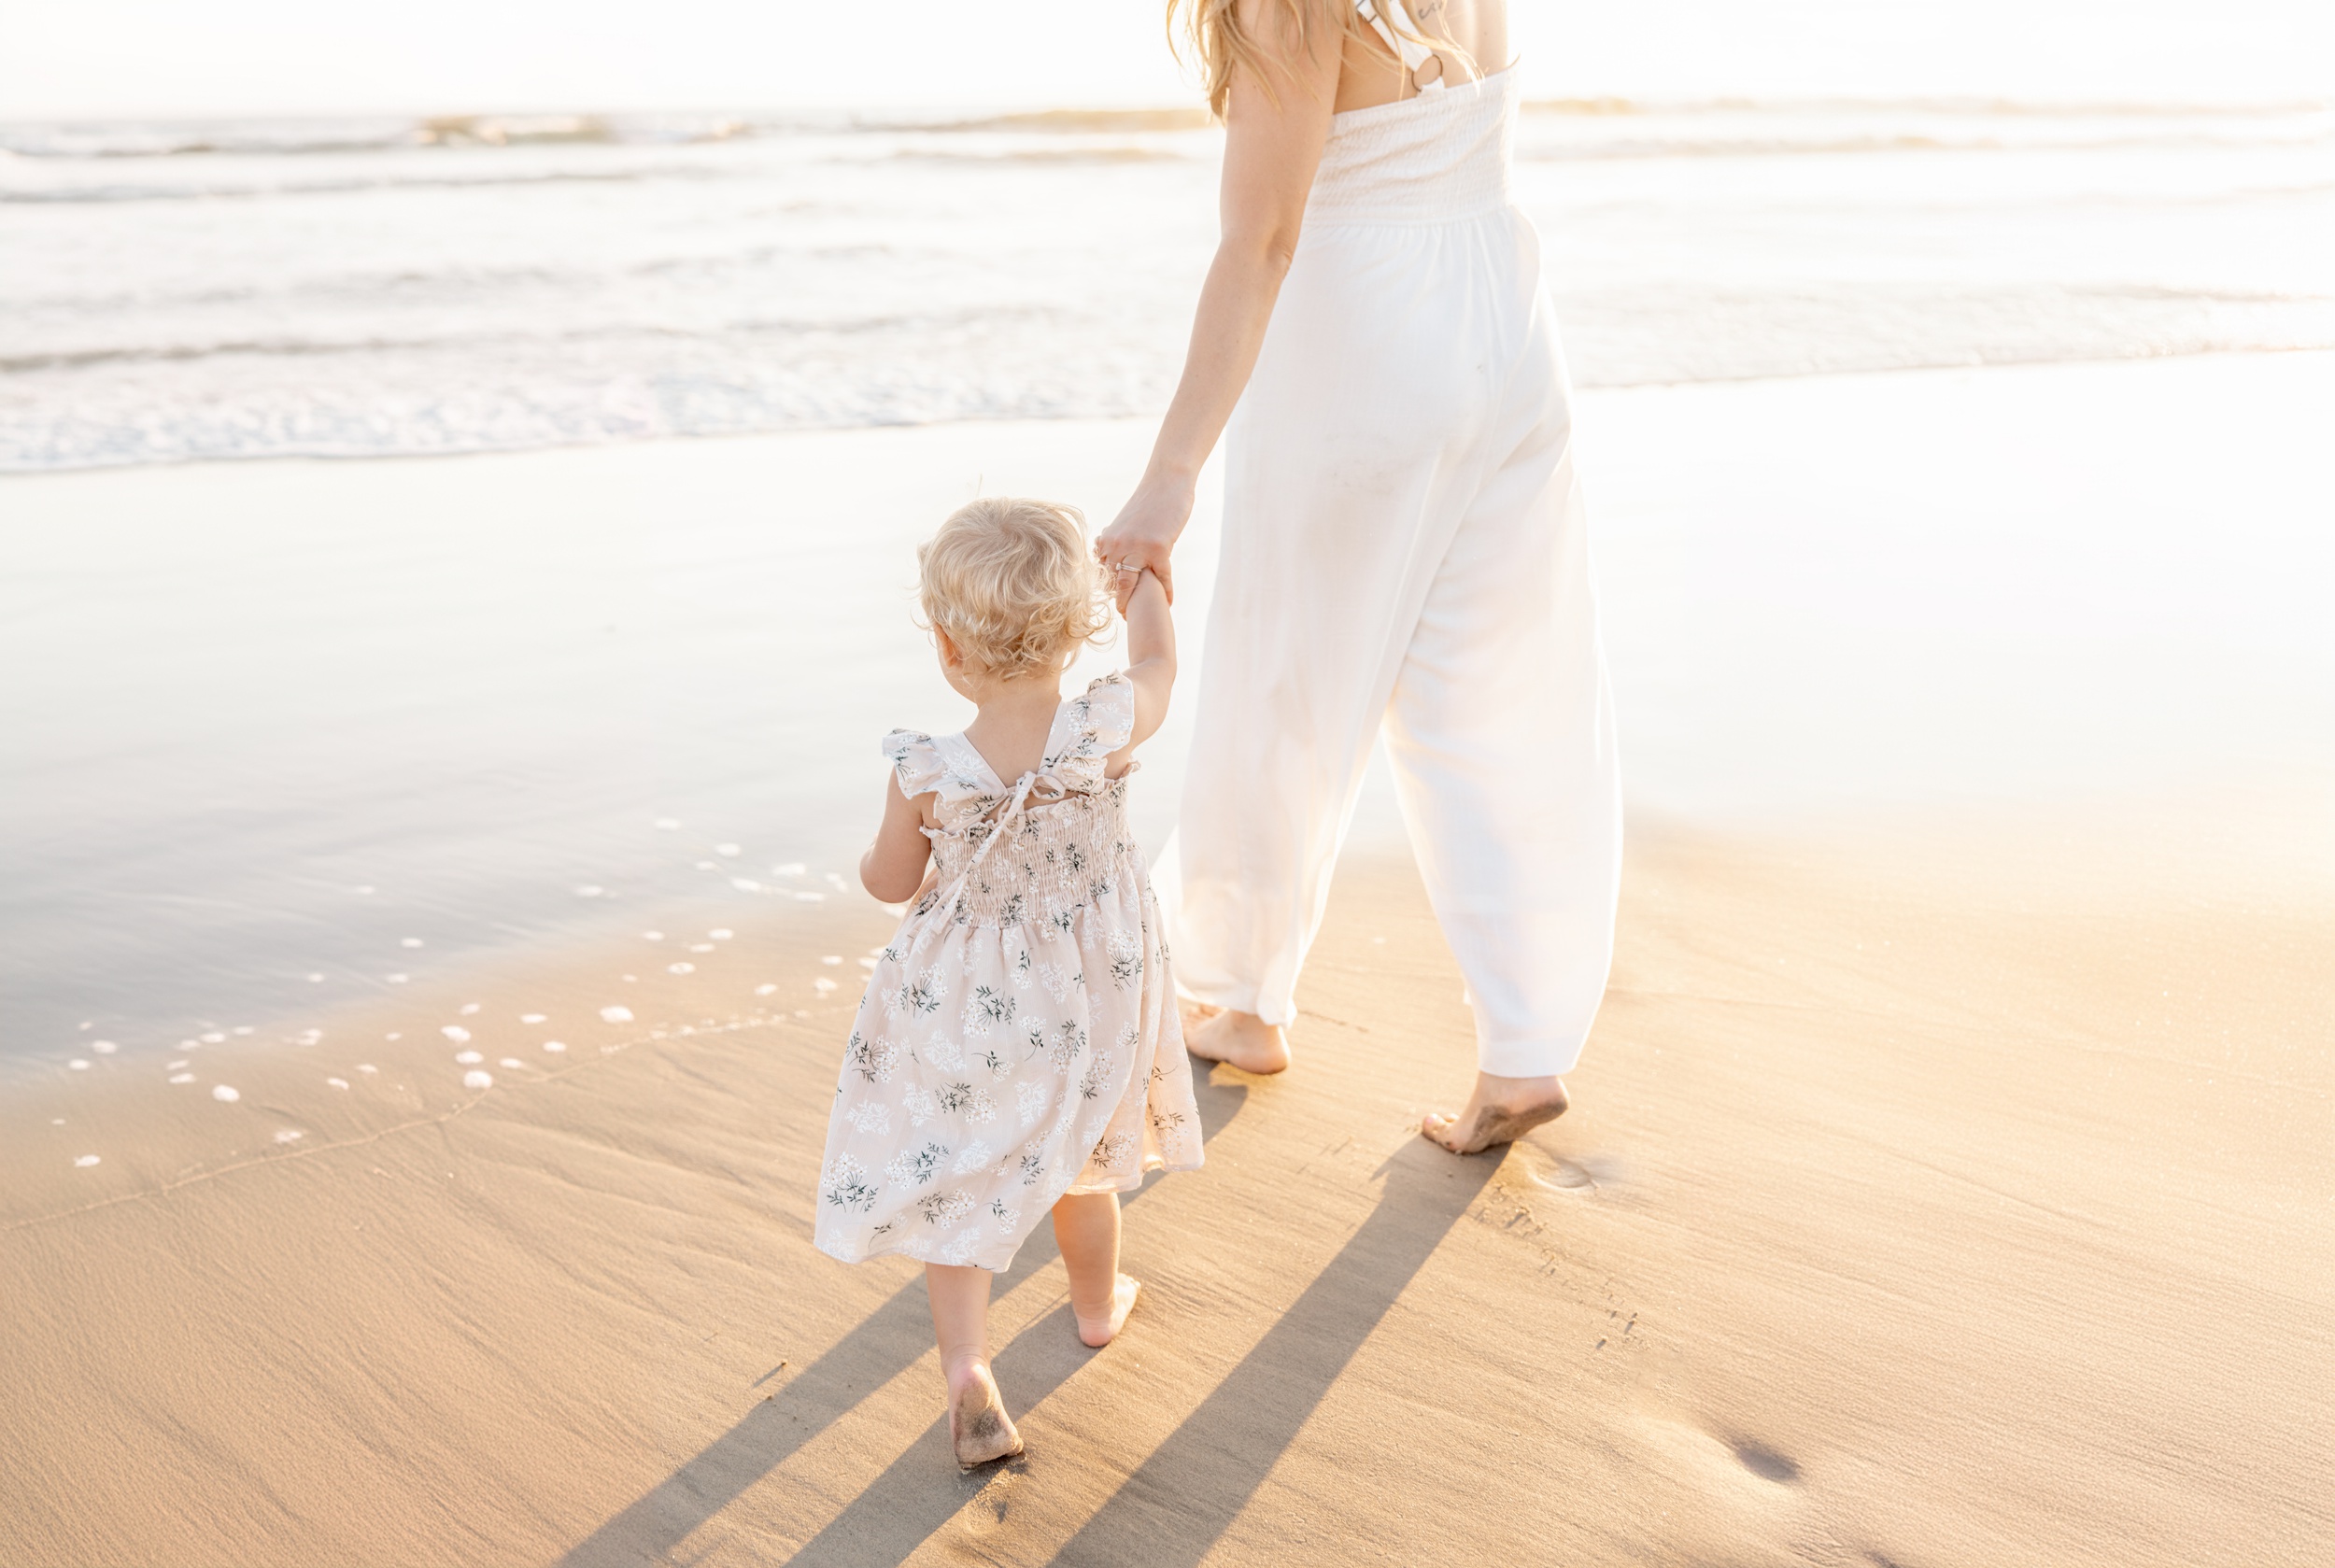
[[688, 438]]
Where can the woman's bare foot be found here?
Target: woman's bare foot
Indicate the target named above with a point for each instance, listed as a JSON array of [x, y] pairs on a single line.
[[1096, 1332], [1241, 1038], [979, 1428], [1501, 1110]]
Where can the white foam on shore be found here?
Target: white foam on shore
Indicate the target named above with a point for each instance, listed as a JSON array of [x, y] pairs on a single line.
[[224, 1095], [616, 1015], [475, 1079], [554, 1046]]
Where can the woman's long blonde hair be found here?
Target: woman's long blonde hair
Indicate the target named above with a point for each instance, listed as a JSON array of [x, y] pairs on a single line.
[[1213, 29]]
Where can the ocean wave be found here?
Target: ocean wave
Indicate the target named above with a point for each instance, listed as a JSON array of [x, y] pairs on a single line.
[[289, 137], [474, 392], [1914, 142], [68, 195], [1005, 157], [748, 334], [299, 137], [2008, 108]]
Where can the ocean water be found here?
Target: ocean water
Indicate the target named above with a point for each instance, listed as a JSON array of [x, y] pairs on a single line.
[[284, 735], [360, 288]]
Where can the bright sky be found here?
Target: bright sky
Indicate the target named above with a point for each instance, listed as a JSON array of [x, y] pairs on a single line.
[[130, 57]]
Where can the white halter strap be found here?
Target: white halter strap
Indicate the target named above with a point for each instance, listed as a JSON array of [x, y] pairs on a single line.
[[1405, 43]]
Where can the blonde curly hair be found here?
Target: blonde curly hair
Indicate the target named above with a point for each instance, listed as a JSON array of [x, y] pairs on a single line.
[[1010, 583]]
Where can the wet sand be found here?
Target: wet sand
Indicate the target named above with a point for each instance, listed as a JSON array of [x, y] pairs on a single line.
[[1952, 1171], [1921, 1203]]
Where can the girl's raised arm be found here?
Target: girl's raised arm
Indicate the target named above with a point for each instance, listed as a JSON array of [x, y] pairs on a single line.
[[1151, 662]]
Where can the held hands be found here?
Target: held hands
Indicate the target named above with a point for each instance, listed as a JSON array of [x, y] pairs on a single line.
[[1143, 534]]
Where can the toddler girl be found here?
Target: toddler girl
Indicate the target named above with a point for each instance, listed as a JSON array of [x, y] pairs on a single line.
[[1017, 1050]]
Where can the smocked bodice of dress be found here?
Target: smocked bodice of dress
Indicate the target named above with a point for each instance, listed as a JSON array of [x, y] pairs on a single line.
[[1438, 158], [1035, 853]]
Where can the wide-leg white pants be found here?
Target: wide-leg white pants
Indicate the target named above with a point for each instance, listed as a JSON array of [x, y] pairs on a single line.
[[1405, 554]]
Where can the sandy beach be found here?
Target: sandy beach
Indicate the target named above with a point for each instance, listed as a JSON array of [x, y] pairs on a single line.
[[1951, 1176], [1917, 1206]]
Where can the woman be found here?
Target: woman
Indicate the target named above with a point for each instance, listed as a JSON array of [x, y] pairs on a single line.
[[1403, 547]]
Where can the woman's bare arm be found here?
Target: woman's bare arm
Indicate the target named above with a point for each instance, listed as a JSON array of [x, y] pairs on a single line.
[[1274, 133]]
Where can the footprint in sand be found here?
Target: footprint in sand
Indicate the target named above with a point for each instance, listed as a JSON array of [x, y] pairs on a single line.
[[1546, 1168]]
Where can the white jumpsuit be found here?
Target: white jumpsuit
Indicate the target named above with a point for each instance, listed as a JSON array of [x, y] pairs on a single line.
[[1405, 553]]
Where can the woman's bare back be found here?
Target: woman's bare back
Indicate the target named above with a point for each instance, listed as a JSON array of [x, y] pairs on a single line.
[[1370, 73]]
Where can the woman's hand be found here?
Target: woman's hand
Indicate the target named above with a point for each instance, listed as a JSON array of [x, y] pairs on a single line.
[[1144, 533]]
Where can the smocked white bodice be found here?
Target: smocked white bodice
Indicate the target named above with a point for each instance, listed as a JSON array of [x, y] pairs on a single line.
[[1438, 158]]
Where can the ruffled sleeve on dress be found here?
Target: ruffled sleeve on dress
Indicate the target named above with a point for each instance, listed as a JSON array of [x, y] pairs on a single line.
[[948, 767], [1095, 725], [915, 762]]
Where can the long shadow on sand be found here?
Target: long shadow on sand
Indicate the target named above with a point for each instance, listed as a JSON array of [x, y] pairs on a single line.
[[884, 1344], [1177, 1503]]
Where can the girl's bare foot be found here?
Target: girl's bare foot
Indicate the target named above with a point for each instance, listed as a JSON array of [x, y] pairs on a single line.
[[1241, 1038], [979, 1428], [1096, 1332], [1501, 1110]]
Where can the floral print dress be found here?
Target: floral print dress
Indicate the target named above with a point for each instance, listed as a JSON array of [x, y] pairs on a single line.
[[1018, 1041]]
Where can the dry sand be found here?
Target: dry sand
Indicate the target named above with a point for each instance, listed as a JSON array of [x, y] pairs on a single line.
[[1967, 1204]]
